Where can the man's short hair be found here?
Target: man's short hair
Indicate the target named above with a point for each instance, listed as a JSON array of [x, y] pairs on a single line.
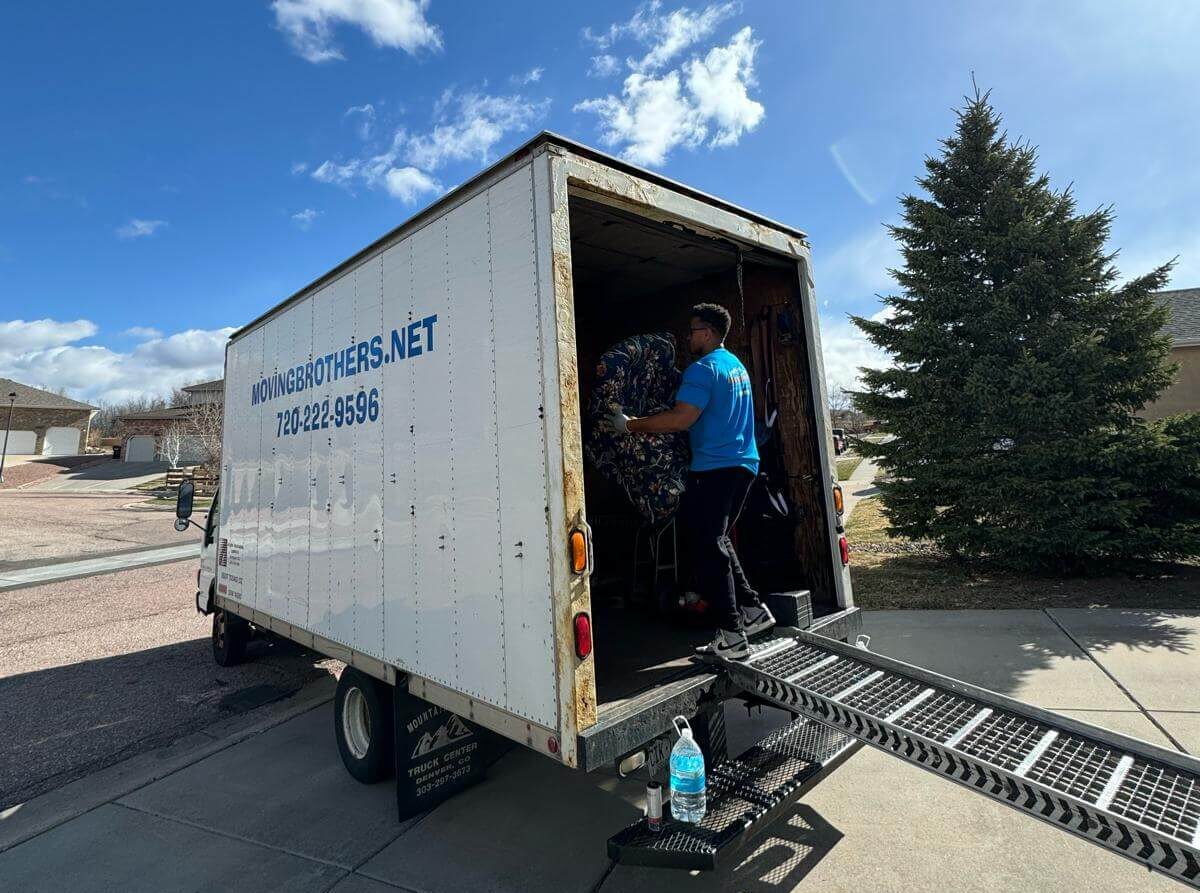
[[713, 315]]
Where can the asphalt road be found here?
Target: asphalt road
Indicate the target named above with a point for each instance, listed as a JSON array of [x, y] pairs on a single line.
[[95, 670]]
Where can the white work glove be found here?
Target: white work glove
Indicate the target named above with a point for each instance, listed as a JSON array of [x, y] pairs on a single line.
[[619, 421]]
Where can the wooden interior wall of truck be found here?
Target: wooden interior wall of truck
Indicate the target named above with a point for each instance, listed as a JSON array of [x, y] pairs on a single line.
[[603, 322]]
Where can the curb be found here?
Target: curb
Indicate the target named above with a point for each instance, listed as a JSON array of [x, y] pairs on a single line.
[[28, 820]]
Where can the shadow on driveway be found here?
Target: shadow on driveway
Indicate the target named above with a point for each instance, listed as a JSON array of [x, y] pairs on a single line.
[[68, 721]]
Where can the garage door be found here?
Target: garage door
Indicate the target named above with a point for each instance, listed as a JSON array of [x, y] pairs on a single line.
[[20, 443], [140, 448], [61, 442]]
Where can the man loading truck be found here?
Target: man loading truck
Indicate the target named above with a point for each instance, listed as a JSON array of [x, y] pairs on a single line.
[[715, 405]]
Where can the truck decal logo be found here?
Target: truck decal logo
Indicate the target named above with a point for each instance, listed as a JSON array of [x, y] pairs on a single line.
[[404, 343], [448, 732]]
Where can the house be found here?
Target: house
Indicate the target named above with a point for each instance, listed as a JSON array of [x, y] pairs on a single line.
[[1184, 329], [188, 433], [43, 423]]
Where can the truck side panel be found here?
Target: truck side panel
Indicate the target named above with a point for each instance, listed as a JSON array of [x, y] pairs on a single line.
[[478, 547], [340, 580], [320, 502], [433, 386], [367, 456], [418, 535], [401, 622], [524, 519], [240, 474]]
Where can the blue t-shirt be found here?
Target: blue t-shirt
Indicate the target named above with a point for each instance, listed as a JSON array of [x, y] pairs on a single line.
[[723, 436]]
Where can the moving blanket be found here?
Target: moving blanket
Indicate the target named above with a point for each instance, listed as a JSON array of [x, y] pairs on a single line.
[[639, 376]]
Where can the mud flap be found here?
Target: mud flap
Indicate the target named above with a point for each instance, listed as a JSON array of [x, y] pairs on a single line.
[[438, 753]]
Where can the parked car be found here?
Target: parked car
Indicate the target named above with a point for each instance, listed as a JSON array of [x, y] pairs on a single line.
[[839, 441]]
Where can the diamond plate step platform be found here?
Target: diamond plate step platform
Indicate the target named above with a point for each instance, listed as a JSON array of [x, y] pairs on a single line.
[[744, 795], [1129, 796]]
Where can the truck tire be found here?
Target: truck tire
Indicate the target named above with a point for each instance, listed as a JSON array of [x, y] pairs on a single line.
[[362, 724], [230, 634]]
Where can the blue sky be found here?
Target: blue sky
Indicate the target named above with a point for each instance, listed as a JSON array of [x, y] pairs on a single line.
[[169, 171]]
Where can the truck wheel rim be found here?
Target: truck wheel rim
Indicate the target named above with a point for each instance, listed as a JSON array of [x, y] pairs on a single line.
[[221, 630], [356, 723]]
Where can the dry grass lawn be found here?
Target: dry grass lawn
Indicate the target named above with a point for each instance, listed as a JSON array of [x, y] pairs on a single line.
[[845, 467], [896, 573]]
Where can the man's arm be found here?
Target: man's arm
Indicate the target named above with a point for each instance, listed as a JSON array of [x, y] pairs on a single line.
[[680, 417]]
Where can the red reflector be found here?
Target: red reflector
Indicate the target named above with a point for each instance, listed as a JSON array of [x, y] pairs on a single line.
[[845, 549], [583, 635]]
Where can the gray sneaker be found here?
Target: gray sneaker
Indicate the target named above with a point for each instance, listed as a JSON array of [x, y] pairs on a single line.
[[756, 619], [731, 645]]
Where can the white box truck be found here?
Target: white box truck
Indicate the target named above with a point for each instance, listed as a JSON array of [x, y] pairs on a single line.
[[403, 484]]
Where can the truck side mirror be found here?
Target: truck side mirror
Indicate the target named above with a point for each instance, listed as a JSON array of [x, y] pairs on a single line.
[[183, 502]]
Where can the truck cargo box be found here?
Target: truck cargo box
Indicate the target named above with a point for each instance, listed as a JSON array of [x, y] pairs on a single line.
[[403, 469]]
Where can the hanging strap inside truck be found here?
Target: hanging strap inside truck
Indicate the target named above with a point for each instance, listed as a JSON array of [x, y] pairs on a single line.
[[1129, 796]]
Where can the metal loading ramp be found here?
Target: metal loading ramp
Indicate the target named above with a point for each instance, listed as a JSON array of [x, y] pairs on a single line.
[[1126, 795]]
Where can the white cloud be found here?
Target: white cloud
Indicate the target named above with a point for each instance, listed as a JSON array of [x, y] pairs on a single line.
[[480, 122], [137, 228], [17, 335], [363, 117], [846, 350], [670, 35], [719, 84], [706, 99], [666, 35], [409, 184], [338, 174], [304, 219], [530, 77], [468, 126], [299, 167], [45, 353], [650, 118], [850, 274], [397, 24], [604, 66], [142, 332]]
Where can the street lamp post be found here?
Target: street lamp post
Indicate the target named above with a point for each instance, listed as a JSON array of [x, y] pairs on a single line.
[[12, 401]]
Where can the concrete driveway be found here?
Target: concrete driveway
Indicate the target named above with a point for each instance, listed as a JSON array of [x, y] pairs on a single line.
[[106, 476], [277, 811]]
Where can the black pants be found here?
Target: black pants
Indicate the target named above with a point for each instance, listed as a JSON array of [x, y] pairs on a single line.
[[711, 505]]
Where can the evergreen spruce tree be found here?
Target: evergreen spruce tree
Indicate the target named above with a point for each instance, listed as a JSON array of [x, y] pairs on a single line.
[[1019, 366]]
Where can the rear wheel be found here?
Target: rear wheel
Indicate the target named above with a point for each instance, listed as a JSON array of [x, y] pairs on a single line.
[[230, 634], [362, 724]]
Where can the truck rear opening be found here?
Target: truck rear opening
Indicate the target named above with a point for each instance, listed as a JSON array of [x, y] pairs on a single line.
[[632, 275]]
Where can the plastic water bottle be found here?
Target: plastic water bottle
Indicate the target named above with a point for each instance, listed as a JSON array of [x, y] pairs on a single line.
[[687, 775]]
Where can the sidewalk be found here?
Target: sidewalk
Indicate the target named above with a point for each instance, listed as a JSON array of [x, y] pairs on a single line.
[[272, 808], [107, 564], [860, 485]]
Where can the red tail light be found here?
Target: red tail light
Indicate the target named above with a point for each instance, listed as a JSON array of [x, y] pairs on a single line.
[[845, 550], [583, 635]]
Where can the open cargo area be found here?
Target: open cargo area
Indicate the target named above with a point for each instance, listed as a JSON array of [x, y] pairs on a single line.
[[631, 276]]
